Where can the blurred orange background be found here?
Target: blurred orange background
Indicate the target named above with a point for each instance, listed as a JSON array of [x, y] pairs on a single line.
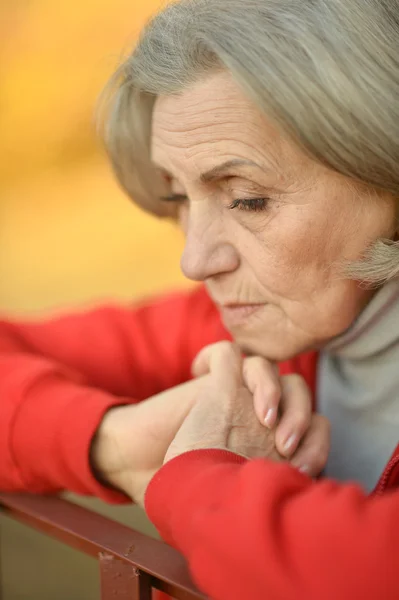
[[68, 235]]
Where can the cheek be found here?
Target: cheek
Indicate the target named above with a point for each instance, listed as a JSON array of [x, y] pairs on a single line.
[[301, 276], [304, 248], [293, 255]]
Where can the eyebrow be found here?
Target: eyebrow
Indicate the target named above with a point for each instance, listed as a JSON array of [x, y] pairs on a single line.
[[222, 170]]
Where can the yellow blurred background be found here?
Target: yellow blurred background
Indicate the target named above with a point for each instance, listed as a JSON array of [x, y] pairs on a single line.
[[68, 235]]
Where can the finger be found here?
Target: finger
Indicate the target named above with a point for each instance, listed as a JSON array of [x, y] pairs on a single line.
[[223, 360], [262, 380], [311, 456], [200, 365], [296, 414], [211, 420], [208, 358]]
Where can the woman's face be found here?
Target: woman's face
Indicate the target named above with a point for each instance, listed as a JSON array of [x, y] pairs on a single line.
[[267, 229]]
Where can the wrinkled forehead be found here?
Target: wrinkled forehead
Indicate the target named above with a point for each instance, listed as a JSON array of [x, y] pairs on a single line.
[[212, 118]]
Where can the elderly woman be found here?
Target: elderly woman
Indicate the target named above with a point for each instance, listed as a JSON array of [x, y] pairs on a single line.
[[270, 130]]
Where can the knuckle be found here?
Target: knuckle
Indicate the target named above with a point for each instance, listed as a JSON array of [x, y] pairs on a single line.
[[220, 346], [227, 348], [299, 417], [323, 426], [300, 420], [295, 381], [317, 465], [257, 368], [316, 458], [256, 362], [297, 394]]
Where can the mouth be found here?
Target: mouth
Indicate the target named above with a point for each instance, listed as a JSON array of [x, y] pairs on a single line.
[[237, 314]]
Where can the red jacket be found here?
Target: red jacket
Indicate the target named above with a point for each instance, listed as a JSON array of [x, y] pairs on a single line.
[[250, 530]]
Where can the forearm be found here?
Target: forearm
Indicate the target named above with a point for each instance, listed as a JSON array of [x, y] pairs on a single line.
[[127, 433], [133, 351], [282, 535], [47, 422]]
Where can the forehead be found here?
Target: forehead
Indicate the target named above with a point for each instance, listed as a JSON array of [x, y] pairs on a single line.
[[210, 120]]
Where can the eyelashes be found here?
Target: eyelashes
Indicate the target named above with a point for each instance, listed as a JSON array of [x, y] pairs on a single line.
[[248, 204]]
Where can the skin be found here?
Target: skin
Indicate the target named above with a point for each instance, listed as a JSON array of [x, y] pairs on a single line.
[[287, 255], [227, 421], [215, 410]]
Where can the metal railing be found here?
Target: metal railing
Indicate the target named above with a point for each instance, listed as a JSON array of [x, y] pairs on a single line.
[[131, 564]]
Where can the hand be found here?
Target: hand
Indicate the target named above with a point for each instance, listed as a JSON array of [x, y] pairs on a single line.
[[223, 416], [282, 403], [132, 440]]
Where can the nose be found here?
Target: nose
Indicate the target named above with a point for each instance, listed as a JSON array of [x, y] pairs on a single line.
[[207, 250]]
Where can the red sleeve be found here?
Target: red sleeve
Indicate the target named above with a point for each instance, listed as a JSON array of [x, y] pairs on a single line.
[[258, 529], [134, 352], [47, 423], [57, 377]]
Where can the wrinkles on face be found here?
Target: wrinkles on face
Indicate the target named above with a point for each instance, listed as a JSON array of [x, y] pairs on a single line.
[[288, 255], [195, 132]]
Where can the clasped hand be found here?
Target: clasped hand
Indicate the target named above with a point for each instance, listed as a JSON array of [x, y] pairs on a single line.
[[234, 403]]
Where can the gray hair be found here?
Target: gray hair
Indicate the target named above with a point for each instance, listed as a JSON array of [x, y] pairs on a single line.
[[327, 71]]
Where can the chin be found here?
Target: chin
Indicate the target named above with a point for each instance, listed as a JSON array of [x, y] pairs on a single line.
[[271, 347], [275, 338]]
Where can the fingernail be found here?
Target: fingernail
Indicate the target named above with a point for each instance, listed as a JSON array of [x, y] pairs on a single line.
[[304, 469], [270, 417], [289, 444]]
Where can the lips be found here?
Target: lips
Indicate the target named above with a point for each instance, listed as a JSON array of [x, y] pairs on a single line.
[[236, 314]]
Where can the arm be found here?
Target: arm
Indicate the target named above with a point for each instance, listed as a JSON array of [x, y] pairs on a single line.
[[54, 429], [54, 432], [47, 423], [50, 408], [133, 442], [129, 352], [258, 529]]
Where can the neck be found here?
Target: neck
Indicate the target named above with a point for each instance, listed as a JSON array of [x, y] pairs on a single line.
[[358, 382], [375, 330]]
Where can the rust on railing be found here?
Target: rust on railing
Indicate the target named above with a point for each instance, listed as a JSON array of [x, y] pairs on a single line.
[[131, 563], [123, 580]]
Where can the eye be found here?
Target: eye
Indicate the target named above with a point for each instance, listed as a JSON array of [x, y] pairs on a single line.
[[252, 204]]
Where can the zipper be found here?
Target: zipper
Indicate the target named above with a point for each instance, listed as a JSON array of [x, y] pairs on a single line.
[[383, 482]]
